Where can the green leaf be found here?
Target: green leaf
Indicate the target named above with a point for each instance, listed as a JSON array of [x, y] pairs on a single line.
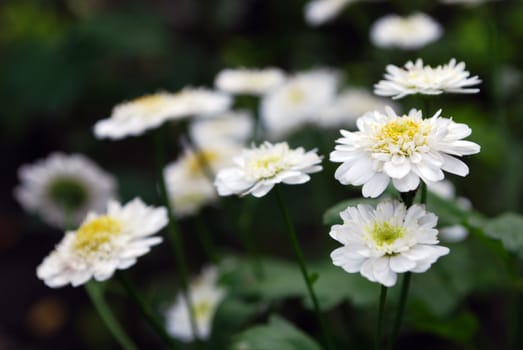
[[508, 228], [460, 328], [278, 334]]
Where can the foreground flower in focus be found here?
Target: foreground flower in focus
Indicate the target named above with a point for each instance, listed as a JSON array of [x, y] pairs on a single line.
[[411, 32], [402, 148], [380, 243], [257, 170], [318, 12], [103, 244], [206, 296], [416, 78], [64, 188], [134, 117], [249, 81]]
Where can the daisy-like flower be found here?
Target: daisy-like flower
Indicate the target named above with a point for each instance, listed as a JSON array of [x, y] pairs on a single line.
[[408, 33], [257, 170], [205, 296], [232, 126], [188, 180], [297, 101], [402, 148], [103, 244], [62, 188], [318, 12], [249, 81], [415, 78], [134, 117], [390, 239]]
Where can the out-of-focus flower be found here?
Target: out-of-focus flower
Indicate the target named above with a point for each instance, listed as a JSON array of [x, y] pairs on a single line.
[[189, 180], [408, 33], [257, 170], [380, 243], [402, 148], [63, 188], [206, 296], [318, 12], [232, 126], [297, 101], [134, 117], [348, 106], [249, 81], [416, 78], [103, 244]]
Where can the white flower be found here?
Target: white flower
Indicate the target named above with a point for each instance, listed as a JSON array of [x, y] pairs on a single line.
[[232, 126], [206, 296], [249, 81], [298, 101], [103, 244], [63, 188], [257, 170], [416, 78], [408, 33], [380, 243], [318, 12], [134, 117], [402, 148], [348, 106], [188, 182]]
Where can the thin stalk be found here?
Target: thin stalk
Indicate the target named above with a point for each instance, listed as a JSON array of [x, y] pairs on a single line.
[[401, 308], [206, 239], [173, 232], [379, 324], [301, 262], [105, 313], [146, 310]]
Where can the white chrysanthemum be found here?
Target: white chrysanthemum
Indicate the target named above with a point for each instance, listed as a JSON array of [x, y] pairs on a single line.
[[408, 33], [380, 243], [134, 117], [318, 12], [249, 81], [348, 106], [402, 148], [232, 126], [103, 244], [298, 101], [257, 170], [416, 78], [206, 296], [62, 189], [188, 182]]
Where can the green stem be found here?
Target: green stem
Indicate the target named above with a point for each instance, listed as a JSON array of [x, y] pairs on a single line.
[[301, 262], [96, 296], [401, 308], [206, 239], [146, 310], [173, 232], [379, 324]]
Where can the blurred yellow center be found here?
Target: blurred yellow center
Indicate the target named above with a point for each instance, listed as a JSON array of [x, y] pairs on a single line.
[[296, 95], [197, 162], [93, 234], [386, 234], [202, 309], [152, 101]]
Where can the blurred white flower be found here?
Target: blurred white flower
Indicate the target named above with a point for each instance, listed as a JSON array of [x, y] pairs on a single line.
[[232, 126], [318, 12], [402, 148], [416, 78], [380, 243], [205, 296], [297, 101], [134, 117], [257, 170], [249, 81], [62, 188], [188, 179], [348, 106], [408, 33], [103, 244]]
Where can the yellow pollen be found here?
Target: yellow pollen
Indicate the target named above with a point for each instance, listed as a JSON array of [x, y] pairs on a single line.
[[93, 234], [386, 234], [401, 134], [197, 162]]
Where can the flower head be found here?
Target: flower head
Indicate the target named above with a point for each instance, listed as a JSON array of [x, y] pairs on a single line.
[[63, 188], [416, 78], [249, 81], [134, 117], [231, 126], [206, 296], [402, 148], [408, 33], [103, 244], [257, 170], [390, 239], [318, 12]]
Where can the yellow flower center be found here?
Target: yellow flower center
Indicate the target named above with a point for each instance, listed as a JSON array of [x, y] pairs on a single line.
[[95, 233], [400, 136], [267, 166], [296, 95], [197, 162], [385, 234], [150, 102], [202, 309]]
